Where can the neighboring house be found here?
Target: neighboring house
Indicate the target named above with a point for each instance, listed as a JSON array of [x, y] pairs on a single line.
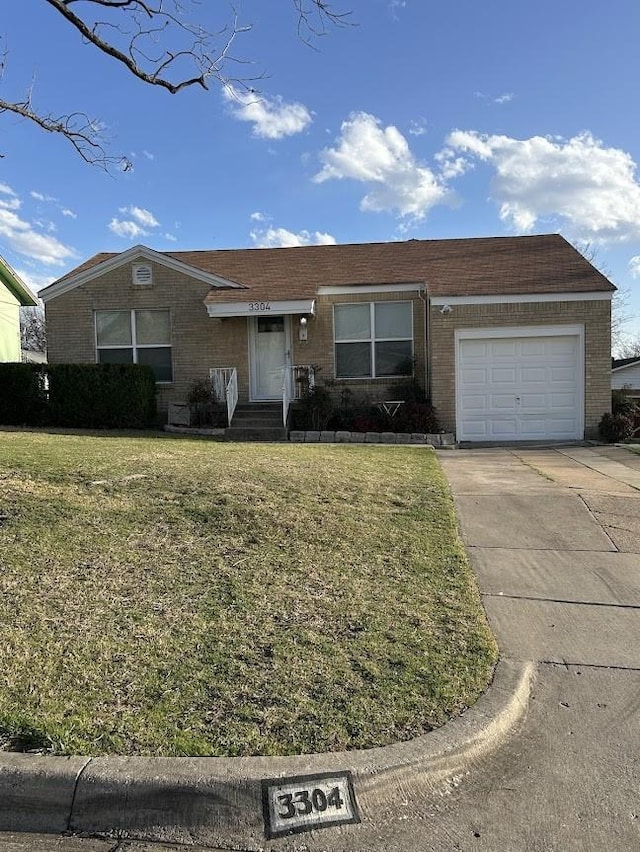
[[510, 336], [14, 294], [625, 373]]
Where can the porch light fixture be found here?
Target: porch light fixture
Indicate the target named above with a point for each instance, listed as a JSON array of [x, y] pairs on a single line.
[[302, 334], [446, 309]]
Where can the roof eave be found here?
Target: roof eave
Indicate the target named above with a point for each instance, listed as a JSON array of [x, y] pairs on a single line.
[[16, 285], [62, 286]]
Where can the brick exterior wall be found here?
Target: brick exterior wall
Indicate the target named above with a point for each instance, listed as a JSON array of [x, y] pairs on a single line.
[[595, 316], [199, 341]]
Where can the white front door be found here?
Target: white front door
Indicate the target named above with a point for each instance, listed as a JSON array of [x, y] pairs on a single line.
[[268, 349]]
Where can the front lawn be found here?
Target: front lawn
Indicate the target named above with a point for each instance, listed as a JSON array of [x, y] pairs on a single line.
[[167, 596]]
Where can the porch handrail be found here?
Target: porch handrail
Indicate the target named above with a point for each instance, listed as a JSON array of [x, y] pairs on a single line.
[[297, 379], [224, 381]]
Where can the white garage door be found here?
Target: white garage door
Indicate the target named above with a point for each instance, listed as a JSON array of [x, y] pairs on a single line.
[[519, 388]]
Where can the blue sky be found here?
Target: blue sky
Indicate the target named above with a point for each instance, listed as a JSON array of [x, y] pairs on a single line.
[[423, 119]]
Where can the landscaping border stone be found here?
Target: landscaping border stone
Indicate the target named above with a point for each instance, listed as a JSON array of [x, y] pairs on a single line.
[[440, 439]]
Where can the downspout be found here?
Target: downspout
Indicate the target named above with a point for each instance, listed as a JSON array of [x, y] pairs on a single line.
[[422, 293]]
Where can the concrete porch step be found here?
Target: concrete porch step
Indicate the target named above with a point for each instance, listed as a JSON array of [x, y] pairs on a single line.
[[257, 416]]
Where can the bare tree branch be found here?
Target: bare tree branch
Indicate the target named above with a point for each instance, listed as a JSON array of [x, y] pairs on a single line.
[[161, 45], [81, 131]]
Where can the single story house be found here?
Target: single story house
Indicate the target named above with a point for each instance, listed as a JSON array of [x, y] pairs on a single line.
[[14, 294], [625, 373], [510, 336]]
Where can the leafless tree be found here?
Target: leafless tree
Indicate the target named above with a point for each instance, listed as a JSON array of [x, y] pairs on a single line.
[[162, 43], [629, 347], [33, 332], [620, 312]]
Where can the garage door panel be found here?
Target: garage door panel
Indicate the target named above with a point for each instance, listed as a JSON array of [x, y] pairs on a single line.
[[476, 349], [535, 427], [534, 374], [534, 395], [563, 375], [503, 375], [502, 402], [503, 428], [475, 376], [533, 347], [475, 428], [562, 346], [533, 401], [563, 401], [474, 404], [503, 348]]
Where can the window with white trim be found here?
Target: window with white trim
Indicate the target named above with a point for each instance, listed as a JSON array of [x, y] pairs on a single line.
[[135, 337], [373, 339]]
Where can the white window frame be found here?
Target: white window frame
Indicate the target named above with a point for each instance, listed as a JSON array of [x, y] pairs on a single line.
[[371, 340], [134, 345]]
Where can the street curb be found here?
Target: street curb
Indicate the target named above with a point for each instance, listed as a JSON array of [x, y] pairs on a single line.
[[218, 800]]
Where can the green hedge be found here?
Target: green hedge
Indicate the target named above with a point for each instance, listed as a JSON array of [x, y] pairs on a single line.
[[89, 396], [23, 398]]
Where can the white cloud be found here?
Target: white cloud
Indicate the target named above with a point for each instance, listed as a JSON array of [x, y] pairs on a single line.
[[281, 238], [170, 237], [149, 155], [272, 118], [39, 196], [6, 189], [142, 216], [11, 203], [70, 213], [258, 217], [138, 225], [418, 128], [634, 266], [24, 239], [127, 228], [381, 158], [590, 190], [503, 99]]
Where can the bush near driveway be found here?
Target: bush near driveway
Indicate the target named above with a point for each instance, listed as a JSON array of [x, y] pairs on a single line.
[[166, 596]]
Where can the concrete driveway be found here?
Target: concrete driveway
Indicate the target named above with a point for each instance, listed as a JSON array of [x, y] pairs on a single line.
[[554, 538]]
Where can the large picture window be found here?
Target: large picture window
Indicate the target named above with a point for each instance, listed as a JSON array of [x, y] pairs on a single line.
[[373, 339], [135, 337]]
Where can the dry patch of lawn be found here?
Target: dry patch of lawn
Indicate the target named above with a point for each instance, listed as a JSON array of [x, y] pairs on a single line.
[[177, 597]]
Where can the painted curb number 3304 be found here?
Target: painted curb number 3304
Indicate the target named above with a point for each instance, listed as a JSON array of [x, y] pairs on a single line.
[[302, 802]]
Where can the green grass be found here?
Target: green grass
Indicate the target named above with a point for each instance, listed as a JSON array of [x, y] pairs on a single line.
[[167, 596]]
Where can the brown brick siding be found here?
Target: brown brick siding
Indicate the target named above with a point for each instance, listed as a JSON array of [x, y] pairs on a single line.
[[595, 316], [200, 342]]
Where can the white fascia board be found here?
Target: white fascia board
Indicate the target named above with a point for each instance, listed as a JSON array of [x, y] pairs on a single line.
[[258, 308], [355, 289], [135, 253], [522, 299]]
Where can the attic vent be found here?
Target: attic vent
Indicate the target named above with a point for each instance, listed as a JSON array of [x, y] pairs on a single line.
[[142, 274]]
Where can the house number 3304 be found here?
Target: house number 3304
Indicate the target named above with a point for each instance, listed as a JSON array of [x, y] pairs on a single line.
[[304, 802], [259, 306]]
